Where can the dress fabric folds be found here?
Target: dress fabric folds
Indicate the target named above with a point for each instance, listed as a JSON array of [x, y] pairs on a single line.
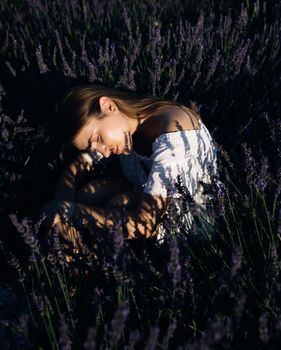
[[191, 154]]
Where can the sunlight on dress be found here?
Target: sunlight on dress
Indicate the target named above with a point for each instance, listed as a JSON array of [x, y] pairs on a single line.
[[188, 153]]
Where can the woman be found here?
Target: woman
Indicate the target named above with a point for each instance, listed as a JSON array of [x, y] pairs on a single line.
[[154, 139]]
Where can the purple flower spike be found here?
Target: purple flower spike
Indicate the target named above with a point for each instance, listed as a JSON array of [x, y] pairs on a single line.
[[64, 341], [118, 322]]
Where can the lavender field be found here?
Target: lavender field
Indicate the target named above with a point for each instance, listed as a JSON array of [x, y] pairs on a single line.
[[221, 58]]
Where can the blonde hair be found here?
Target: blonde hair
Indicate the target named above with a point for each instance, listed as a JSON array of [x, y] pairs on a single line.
[[81, 103]]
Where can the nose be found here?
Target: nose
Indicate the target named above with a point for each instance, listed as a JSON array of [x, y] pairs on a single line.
[[106, 151]]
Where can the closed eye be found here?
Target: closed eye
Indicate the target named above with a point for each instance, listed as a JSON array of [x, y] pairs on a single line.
[[90, 142], [97, 139]]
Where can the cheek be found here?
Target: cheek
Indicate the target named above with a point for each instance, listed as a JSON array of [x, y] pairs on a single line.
[[116, 134], [114, 130]]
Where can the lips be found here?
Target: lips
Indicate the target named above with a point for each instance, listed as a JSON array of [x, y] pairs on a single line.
[[118, 151]]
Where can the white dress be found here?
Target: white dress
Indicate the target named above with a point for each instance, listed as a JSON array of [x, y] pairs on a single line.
[[189, 153]]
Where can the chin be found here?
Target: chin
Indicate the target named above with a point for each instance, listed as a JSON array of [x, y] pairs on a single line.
[[126, 152]]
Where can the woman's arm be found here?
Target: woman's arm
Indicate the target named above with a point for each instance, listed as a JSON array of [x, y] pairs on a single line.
[[141, 221], [72, 177]]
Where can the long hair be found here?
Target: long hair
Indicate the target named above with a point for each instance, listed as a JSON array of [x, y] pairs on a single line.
[[78, 105]]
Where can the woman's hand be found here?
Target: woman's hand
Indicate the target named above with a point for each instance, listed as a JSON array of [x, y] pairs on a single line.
[[87, 159], [55, 211], [84, 162], [74, 175]]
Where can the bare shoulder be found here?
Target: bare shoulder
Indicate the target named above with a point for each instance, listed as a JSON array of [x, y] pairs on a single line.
[[176, 119]]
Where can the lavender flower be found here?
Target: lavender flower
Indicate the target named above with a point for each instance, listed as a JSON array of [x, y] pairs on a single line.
[[12, 261], [221, 200], [134, 337], [246, 202], [28, 235], [279, 224], [58, 246], [223, 153], [106, 52], [239, 55], [263, 330], [39, 303], [275, 263], [263, 175], [54, 57], [64, 340], [237, 255], [23, 325], [174, 267], [152, 341], [23, 50], [93, 71], [52, 261], [42, 66], [213, 65], [278, 188], [48, 304], [12, 70], [67, 70], [250, 163], [278, 324], [186, 197], [239, 307], [118, 322], [90, 343], [118, 242], [127, 19], [171, 330], [14, 41], [73, 53]]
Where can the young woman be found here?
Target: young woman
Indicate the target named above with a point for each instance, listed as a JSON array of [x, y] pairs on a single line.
[[155, 140]]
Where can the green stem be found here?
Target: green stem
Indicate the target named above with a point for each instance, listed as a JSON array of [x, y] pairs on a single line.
[[48, 331], [167, 338], [228, 228], [236, 227], [28, 303], [38, 277], [235, 187], [259, 238], [52, 330], [267, 216], [134, 300], [255, 223], [274, 206], [50, 283], [67, 301]]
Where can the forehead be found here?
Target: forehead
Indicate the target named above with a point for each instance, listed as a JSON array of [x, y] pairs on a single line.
[[81, 141]]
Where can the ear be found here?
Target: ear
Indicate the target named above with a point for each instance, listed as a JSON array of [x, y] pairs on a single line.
[[107, 104]]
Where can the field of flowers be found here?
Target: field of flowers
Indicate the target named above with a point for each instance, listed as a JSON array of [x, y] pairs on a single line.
[[221, 57]]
